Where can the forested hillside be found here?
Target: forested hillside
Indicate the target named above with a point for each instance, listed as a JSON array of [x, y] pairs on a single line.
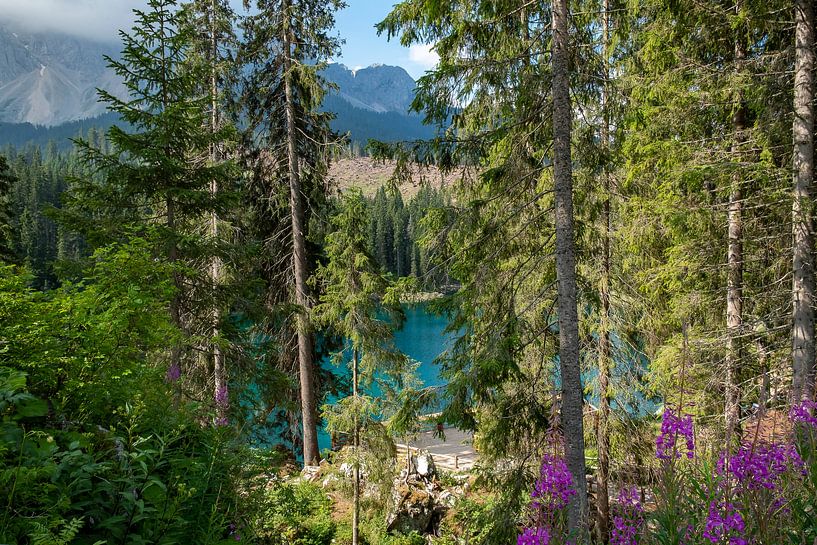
[[19, 135], [610, 211]]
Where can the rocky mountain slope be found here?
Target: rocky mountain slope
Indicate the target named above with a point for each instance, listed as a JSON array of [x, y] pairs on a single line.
[[48, 79], [378, 88]]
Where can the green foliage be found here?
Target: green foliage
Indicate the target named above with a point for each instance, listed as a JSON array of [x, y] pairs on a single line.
[[157, 478], [479, 522], [296, 514], [85, 347], [802, 526], [373, 532], [65, 533]]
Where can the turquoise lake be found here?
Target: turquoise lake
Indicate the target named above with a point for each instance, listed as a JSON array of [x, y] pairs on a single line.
[[422, 338]]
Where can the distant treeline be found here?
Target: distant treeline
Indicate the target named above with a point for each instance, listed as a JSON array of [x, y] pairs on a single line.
[[42, 174], [20, 135], [396, 229], [361, 125]]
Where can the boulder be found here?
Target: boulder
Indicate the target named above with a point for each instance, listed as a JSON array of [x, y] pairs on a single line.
[[311, 474], [423, 464], [412, 511]]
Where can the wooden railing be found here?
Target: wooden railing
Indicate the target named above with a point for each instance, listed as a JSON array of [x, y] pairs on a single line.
[[454, 460]]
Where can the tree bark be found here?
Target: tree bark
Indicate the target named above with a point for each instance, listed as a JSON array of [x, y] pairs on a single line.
[[734, 289], [219, 363], [572, 391], [299, 259], [803, 284], [356, 444], [603, 433]]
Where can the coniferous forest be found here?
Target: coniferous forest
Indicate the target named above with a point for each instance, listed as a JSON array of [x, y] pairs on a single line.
[[200, 330]]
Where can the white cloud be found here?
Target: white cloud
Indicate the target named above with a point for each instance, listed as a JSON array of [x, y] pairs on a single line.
[[95, 19], [423, 55]]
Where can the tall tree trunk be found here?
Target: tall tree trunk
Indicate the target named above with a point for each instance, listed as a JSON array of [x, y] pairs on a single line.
[[572, 391], [734, 288], [299, 258], [176, 302], [803, 285], [219, 364], [356, 444], [603, 433], [173, 250]]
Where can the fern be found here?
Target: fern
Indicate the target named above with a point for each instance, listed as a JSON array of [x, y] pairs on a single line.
[[65, 533]]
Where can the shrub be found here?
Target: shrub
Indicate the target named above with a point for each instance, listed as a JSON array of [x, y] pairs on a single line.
[[169, 485], [295, 514]]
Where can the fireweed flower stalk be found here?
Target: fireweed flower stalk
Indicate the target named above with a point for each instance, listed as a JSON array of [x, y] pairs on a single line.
[[676, 508], [174, 373], [752, 493], [534, 536], [725, 525], [551, 494], [804, 414], [803, 417], [628, 518], [803, 490], [760, 467], [222, 405], [674, 427]]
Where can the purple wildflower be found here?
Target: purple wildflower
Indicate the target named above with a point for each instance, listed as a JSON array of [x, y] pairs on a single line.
[[222, 397], [755, 467], [628, 519], [551, 493], [534, 536], [725, 525], [174, 373], [234, 533], [804, 413], [672, 427], [688, 537], [554, 487], [222, 403]]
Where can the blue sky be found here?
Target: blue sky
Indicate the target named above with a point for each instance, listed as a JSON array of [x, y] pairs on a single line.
[[100, 19], [364, 47]]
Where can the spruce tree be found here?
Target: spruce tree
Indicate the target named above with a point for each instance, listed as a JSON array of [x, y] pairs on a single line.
[[6, 213], [286, 43], [604, 333], [702, 184], [572, 390], [211, 23], [803, 285], [502, 235], [360, 305], [152, 181]]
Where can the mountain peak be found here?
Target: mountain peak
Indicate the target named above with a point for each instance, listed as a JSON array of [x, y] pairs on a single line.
[[49, 79], [377, 88]]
